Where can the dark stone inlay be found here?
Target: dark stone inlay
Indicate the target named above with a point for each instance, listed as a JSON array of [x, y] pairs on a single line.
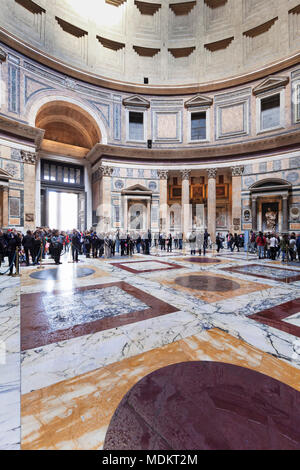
[[207, 283], [165, 266], [274, 317], [206, 406], [37, 328], [57, 274], [203, 260]]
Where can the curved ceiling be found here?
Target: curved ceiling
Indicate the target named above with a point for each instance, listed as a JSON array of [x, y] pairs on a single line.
[[167, 42], [66, 123]]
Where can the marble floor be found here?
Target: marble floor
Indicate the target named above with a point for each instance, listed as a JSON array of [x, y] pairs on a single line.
[[167, 351]]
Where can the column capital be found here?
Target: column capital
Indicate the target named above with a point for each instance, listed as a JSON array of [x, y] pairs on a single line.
[[185, 174], [3, 55], [28, 157], [212, 173], [237, 170], [163, 174], [106, 170], [5, 189]]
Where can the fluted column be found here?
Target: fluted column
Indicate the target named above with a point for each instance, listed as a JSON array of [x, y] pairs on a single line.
[[105, 220], [163, 199], [5, 207], [254, 212], [185, 202], [237, 172], [29, 159], [211, 203], [285, 221]]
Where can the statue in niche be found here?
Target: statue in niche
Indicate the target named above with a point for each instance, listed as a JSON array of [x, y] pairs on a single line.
[[271, 219]]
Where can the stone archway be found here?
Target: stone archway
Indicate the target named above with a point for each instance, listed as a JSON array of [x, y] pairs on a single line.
[[272, 192]]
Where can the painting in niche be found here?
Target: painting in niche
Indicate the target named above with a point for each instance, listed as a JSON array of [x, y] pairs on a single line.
[[175, 192], [221, 191], [221, 217], [14, 207], [197, 191], [270, 212]]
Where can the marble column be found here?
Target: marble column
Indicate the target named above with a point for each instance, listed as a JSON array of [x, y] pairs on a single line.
[[285, 221], [185, 202], [5, 206], [29, 159], [211, 203], [163, 199], [105, 199], [254, 212], [237, 172], [149, 214]]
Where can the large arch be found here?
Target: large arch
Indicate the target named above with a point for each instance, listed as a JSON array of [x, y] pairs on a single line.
[[41, 102]]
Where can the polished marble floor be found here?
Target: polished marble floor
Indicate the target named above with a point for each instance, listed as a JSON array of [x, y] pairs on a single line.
[[77, 340]]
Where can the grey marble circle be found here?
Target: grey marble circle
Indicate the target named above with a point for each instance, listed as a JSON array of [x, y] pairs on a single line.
[[58, 274]]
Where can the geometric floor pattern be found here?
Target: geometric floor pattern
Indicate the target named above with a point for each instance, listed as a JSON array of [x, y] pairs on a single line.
[[78, 379]]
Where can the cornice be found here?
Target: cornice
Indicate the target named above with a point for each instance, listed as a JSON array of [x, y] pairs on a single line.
[[112, 84], [234, 152], [20, 129]]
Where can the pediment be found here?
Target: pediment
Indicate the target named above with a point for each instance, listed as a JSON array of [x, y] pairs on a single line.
[[197, 101], [270, 83], [136, 101], [138, 188], [4, 175]]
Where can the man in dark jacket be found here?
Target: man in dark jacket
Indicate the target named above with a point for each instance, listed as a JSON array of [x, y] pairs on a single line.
[[13, 242], [3, 246], [28, 244], [76, 245]]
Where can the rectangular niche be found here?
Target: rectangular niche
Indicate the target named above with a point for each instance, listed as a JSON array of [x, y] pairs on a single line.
[[167, 126], [233, 116], [32, 17], [72, 40], [261, 42]]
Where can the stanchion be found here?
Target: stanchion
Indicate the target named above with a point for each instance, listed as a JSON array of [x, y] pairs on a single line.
[[17, 263], [41, 256]]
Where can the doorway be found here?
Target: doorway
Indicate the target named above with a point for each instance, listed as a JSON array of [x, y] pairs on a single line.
[[63, 210]]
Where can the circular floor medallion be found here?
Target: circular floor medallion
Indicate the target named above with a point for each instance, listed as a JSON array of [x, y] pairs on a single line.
[[59, 274], [207, 283], [203, 260], [206, 406]]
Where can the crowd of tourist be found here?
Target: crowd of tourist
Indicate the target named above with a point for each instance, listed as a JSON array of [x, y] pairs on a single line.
[[35, 246]]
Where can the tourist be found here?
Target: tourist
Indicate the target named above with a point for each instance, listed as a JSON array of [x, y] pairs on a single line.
[[284, 246], [28, 244], [273, 247], [292, 247], [169, 243], [298, 246], [76, 245], [192, 241], [260, 242]]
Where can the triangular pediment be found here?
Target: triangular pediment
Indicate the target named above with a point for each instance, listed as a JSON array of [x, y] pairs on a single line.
[[270, 83], [4, 175], [136, 101], [138, 188], [197, 101]]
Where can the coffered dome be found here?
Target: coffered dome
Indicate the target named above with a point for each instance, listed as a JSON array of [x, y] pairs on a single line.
[[166, 43]]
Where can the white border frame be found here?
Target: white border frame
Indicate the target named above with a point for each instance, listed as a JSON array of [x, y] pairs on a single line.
[[200, 109], [267, 94], [145, 123]]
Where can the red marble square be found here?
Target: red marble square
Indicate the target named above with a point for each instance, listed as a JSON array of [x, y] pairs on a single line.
[[274, 317], [37, 331], [165, 266]]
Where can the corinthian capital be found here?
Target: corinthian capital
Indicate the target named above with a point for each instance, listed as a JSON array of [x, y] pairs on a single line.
[[106, 170], [185, 174], [28, 157], [237, 170], [163, 174], [212, 173]]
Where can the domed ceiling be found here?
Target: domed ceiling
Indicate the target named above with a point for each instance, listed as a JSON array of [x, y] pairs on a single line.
[[161, 43]]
